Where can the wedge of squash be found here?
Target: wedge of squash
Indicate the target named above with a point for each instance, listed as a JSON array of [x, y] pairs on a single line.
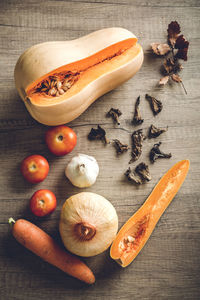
[[136, 231], [58, 80]]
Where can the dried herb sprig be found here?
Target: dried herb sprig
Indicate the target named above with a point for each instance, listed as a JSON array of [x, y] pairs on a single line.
[[177, 48]]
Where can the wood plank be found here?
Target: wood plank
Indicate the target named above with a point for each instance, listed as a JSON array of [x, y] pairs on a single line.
[[168, 266]]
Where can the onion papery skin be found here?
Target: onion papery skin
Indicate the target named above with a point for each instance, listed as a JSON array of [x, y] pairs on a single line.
[[91, 209]]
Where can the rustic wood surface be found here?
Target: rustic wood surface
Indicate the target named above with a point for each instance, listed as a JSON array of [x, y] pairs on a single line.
[[168, 267]]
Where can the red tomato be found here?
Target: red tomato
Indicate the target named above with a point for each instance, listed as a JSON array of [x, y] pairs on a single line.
[[35, 168], [60, 140], [42, 203]]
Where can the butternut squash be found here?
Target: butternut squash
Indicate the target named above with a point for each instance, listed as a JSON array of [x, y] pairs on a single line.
[[59, 80], [136, 231]]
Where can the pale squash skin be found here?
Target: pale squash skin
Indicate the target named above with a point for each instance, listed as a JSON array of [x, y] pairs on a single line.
[[43, 58]]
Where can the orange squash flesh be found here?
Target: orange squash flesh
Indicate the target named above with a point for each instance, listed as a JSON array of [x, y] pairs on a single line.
[[136, 231], [85, 71]]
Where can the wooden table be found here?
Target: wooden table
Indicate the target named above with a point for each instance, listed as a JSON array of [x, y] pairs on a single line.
[[168, 266]]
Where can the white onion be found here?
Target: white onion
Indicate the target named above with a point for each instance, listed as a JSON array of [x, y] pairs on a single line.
[[88, 224]]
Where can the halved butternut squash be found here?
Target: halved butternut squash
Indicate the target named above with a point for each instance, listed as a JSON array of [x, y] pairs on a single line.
[[59, 80], [136, 231]]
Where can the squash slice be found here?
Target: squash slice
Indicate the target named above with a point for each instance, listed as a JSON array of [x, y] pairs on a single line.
[[136, 231]]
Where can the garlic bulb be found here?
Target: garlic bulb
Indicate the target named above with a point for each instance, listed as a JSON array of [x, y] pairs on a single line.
[[88, 224], [82, 170]]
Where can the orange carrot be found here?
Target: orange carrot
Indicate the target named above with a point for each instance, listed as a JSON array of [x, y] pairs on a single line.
[[40, 243]]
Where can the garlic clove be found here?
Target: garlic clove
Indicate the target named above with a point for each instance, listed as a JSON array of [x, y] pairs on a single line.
[[88, 224], [82, 170]]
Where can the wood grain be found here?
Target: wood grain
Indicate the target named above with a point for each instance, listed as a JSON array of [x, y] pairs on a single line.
[[168, 267]]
